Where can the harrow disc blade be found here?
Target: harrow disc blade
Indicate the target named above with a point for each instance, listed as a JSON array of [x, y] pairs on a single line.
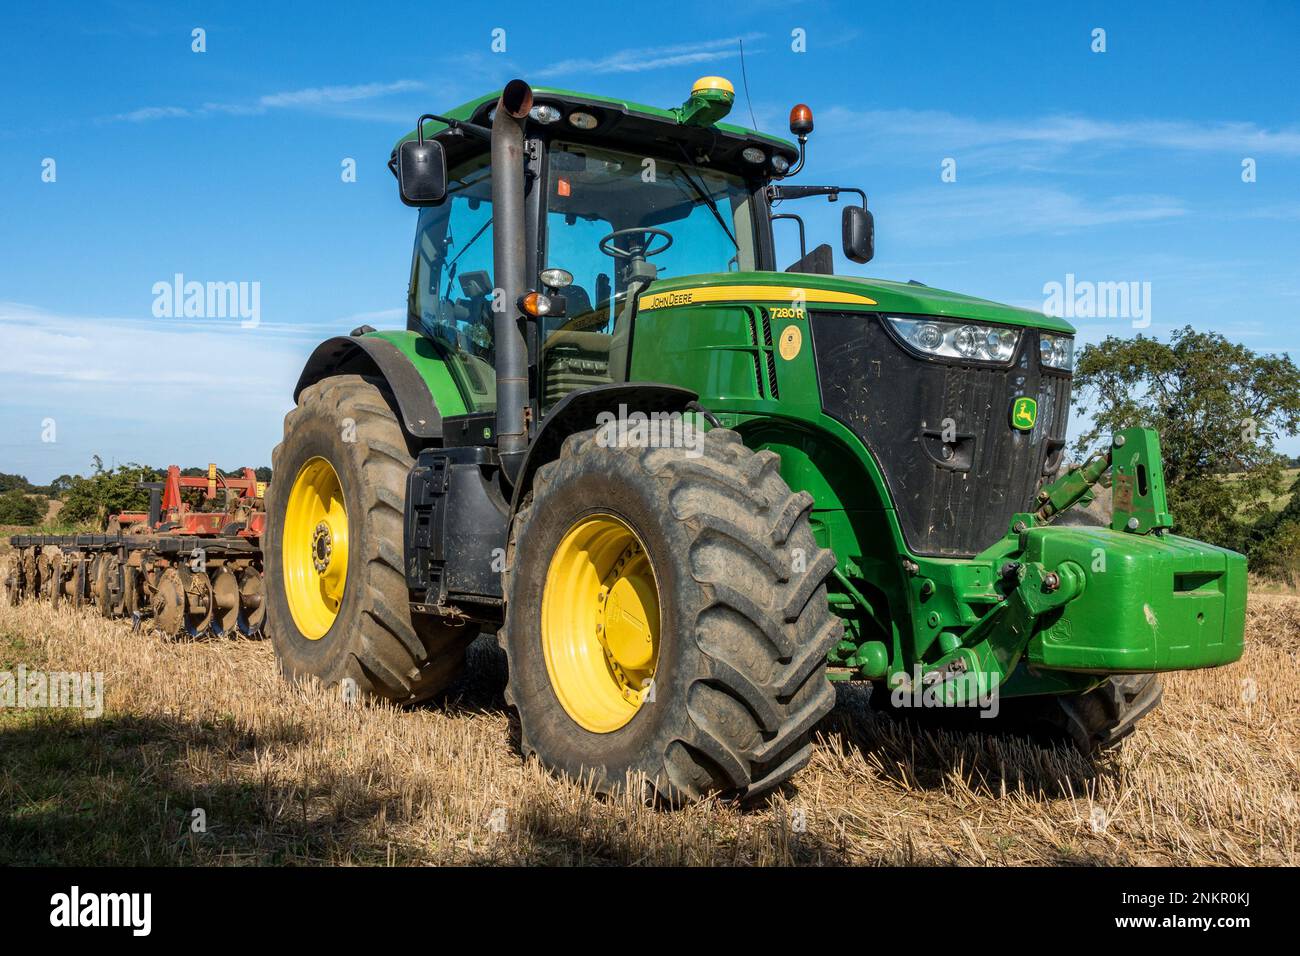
[[225, 602], [54, 594], [198, 602], [98, 577], [48, 573], [168, 603], [12, 581], [30, 579], [251, 601], [74, 580], [108, 586]]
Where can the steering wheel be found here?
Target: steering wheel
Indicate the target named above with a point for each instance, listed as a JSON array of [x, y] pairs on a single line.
[[639, 247]]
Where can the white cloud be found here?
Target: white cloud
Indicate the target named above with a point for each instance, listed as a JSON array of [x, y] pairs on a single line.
[[147, 113], [953, 213], [149, 390], [210, 359], [312, 98], [640, 59], [939, 130], [324, 95]]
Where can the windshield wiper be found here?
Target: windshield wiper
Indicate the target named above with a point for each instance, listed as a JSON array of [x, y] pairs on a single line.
[[451, 266], [713, 206]]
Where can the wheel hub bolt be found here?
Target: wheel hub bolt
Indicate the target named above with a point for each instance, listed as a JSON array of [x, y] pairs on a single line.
[[322, 546]]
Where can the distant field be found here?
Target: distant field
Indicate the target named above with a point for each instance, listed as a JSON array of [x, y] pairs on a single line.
[[1279, 501], [291, 775]]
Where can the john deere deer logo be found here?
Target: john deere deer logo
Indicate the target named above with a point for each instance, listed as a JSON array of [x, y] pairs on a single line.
[[1024, 413]]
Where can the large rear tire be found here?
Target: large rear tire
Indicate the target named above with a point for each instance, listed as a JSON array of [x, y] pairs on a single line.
[[703, 574], [338, 605]]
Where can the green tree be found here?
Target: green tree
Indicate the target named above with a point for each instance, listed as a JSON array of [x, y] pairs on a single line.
[[107, 492], [17, 508], [13, 483], [1275, 548], [1276, 552], [1219, 408]]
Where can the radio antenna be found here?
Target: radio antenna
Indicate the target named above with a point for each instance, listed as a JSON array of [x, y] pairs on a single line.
[[745, 77]]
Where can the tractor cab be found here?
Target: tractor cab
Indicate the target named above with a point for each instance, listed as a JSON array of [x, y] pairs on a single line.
[[619, 197]]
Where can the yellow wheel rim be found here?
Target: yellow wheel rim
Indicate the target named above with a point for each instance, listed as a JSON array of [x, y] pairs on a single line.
[[600, 623], [315, 548]]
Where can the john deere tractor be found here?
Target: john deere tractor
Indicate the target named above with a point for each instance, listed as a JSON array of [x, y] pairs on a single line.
[[690, 489]]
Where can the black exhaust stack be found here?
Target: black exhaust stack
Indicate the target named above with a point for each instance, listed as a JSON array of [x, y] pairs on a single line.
[[509, 254]]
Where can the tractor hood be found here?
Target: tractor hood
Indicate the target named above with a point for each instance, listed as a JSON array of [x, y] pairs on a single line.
[[841, 292], [818, 344]]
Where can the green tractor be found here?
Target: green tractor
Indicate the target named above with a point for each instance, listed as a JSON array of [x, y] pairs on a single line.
[[688, 490]]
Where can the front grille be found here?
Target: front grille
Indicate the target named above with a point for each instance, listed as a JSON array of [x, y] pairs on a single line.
[[956, 469], [753, 338], [773, 388]]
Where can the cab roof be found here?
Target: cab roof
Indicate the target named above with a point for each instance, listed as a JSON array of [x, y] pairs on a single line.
[[625, 124]]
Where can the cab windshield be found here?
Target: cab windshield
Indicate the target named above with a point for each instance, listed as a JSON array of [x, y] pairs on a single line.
[[617, 220], [592, 192]]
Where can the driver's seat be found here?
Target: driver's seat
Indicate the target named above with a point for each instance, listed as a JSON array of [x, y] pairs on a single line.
[[576, 300]]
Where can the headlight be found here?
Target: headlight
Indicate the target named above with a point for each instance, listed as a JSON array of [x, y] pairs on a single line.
[[1057, 351], [959, 340], [545, 113]]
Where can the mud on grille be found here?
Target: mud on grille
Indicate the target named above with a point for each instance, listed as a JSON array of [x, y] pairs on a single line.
[[955, 502]]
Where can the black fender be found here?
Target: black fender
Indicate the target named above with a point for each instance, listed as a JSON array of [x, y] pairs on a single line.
[[366, 355], [578, 410]]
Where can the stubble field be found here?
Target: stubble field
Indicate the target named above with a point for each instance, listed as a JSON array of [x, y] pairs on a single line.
[[284, 774]]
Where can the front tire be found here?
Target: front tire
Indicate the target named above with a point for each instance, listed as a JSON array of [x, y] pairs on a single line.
[[338, 605], [1100, 719], [1092, 722], [723, 691]]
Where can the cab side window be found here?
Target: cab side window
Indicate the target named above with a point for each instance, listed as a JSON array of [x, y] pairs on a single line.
[[450, 297]]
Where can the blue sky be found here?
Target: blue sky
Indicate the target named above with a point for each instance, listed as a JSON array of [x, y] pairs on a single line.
[[1122, 166]]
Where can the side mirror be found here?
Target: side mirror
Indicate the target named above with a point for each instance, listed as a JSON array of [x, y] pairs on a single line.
[[421, 171], [859, 234]]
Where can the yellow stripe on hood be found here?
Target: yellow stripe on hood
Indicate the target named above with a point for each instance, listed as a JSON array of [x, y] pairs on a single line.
[[734, 293]]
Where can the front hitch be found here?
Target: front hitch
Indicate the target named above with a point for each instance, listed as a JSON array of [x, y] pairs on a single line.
[[1076, 603]]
